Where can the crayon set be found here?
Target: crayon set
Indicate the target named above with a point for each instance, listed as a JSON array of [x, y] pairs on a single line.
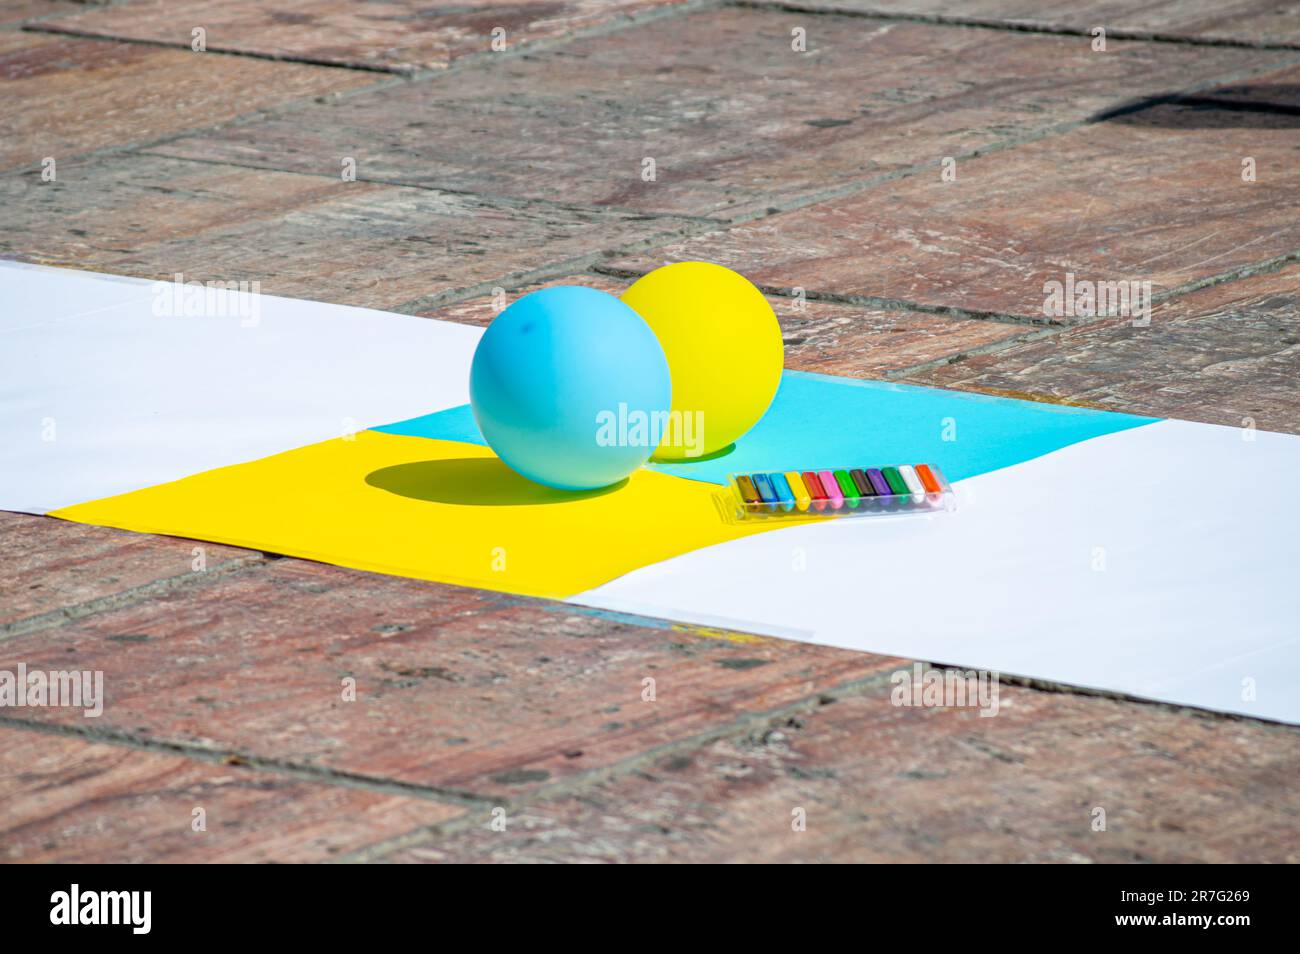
[[847, 492]]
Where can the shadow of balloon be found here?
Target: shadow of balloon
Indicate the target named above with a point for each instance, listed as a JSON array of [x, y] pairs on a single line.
[[720, 452], [474, 482]]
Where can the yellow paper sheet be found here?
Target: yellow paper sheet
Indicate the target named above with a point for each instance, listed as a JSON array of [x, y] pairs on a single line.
[[430, 509]]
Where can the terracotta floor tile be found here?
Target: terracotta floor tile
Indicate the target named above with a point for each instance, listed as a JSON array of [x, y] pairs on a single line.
[[1273, 22], [68, 800], [13, 12], [457, 689], [58, 91], [394, 35], [52, 564], [1227, 354], [734, 119], [305, 236], [1154, 196], [875, 782]]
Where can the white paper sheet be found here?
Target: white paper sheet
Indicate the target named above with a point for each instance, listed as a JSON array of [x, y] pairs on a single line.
[[36, 295], [100, 395], [1160, 562]]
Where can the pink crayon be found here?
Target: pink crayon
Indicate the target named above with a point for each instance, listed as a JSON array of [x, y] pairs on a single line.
[[832, 488]]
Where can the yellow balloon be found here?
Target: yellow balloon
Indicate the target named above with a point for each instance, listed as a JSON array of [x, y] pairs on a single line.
[[724, 350]]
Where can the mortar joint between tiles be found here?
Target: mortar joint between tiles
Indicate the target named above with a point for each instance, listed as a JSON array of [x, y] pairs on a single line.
[[1008, 26], [129, 597], [267, 765]]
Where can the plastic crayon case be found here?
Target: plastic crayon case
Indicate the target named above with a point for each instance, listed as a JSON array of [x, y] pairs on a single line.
[[841, 492]]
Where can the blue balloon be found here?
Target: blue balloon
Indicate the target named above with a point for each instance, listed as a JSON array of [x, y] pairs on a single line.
[[565, 385]]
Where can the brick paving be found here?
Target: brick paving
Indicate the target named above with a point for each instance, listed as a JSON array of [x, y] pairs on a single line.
[[399, 36], [59, 92], [818, 171], [736, 121], [1156, 194], [1262, 23]]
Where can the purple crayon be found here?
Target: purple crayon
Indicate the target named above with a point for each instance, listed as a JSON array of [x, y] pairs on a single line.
[[878, 482]]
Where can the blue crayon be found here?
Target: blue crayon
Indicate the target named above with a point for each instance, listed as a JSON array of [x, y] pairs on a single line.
[[783, 492]]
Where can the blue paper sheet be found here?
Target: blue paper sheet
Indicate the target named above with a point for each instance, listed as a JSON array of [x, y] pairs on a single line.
[[820, 422]]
